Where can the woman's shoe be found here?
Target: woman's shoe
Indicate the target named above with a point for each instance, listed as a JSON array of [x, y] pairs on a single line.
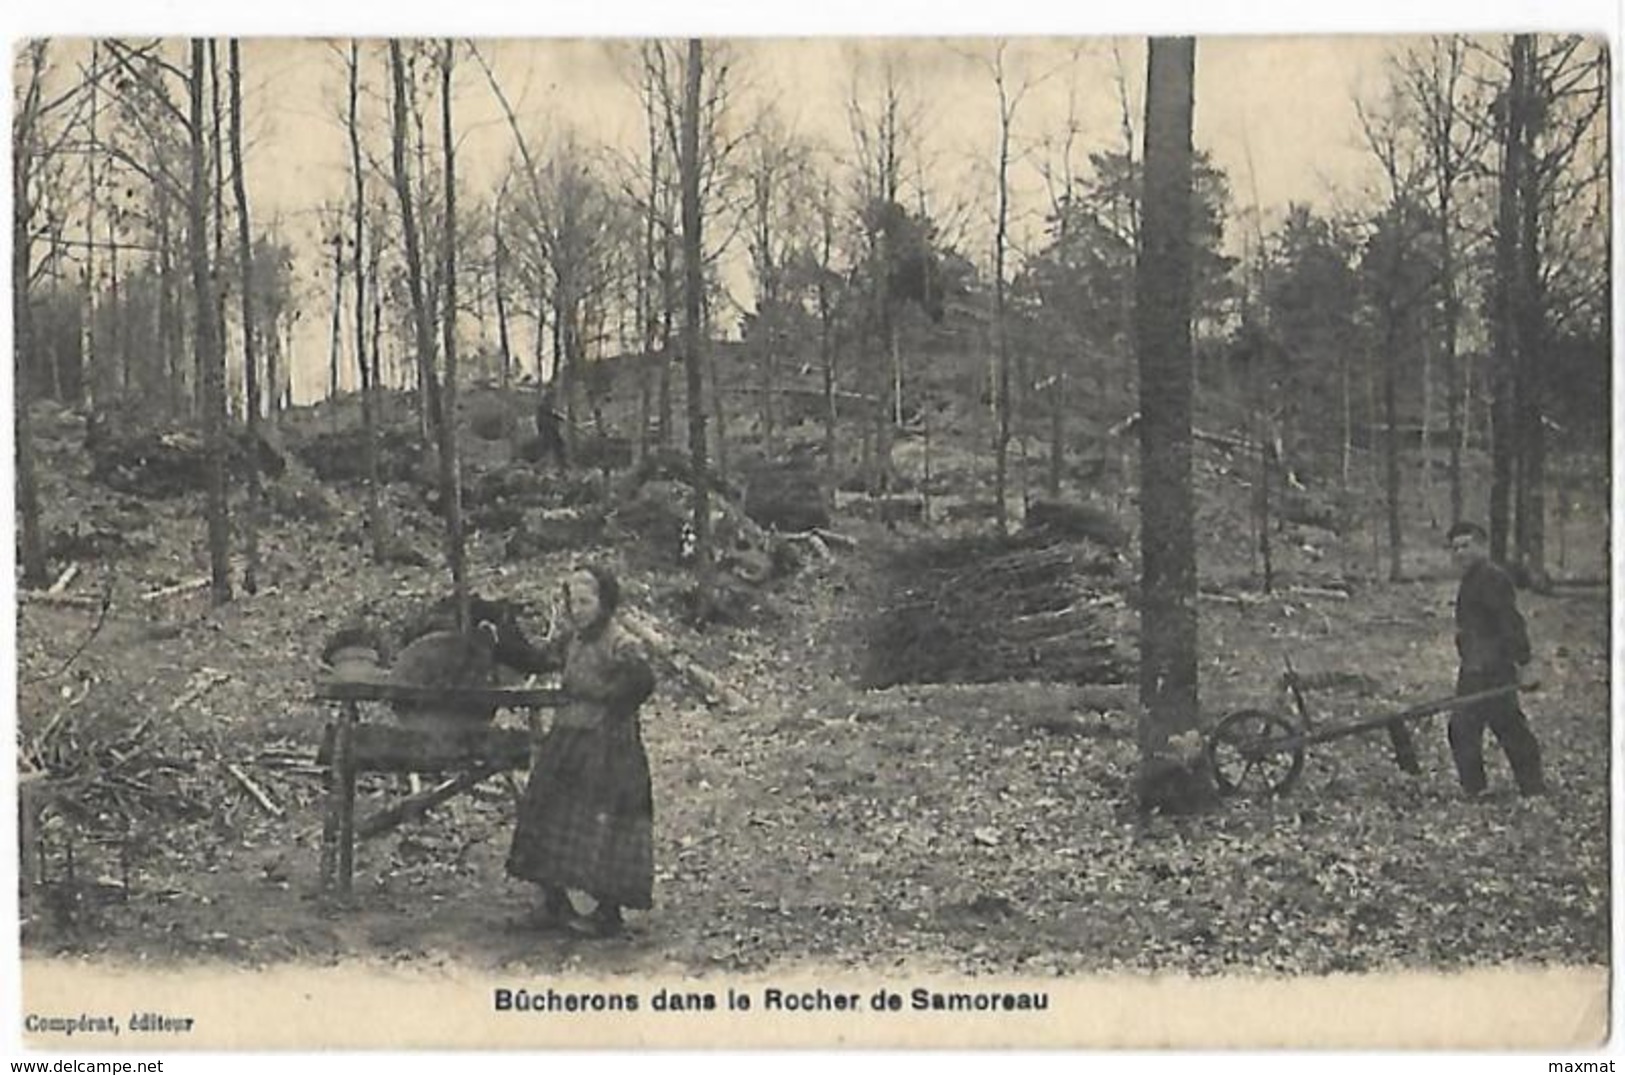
[[600, 924], [553, 913]]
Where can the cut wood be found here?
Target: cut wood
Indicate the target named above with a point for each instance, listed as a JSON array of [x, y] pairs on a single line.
[[415, 806], [830, 537], [259, 794], [1231, 598], [1317, 591], [711, 688], [63, 580], [179, 588], [202, 683], [188, 586], [45, 597]]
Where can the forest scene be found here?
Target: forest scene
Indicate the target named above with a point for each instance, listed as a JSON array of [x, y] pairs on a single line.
[[973, 430]]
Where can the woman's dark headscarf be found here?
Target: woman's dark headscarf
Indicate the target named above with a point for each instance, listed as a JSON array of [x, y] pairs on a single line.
[[609, 595]]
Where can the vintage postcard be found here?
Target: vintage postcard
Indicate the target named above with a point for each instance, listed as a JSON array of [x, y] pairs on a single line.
[[950, 542]]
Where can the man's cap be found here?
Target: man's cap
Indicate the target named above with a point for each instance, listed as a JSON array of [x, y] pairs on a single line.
[[1466, 529]]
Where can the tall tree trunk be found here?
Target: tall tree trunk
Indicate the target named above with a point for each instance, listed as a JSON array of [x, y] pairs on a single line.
[[423, 335], [1529, 309], [32, 549], [207, 339], [1000, 328], [251, 382], [1504, 440], [96, 385], [693, 285], [217, 151], [450, 471], [368, 371], [1173, 775]]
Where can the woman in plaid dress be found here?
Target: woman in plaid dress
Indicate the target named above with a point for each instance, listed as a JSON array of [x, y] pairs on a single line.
[[586, 816]]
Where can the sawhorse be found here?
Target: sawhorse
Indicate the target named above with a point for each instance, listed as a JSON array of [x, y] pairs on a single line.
[[350, 746]]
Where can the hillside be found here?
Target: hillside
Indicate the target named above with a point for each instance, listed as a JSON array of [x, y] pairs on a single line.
[[979, 827]]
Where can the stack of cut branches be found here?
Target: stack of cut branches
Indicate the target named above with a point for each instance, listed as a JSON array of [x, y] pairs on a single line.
[[987, 609]]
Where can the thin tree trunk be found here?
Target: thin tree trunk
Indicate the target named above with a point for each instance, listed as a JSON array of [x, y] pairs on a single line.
[[826, 343], [1425, 339], [251, 382], [1390, 437], [1503, 388], [32, 549], [273, 371], [1454, 431], [719, 417], [1529, 310], [693, 284], [450, 471], [207, 305], [665, 421], [368, 371], [94, 382], [504, 345], [1000, 329], [217, 148], [1172, 774], [335, 351], [167, 343], [422, 333]]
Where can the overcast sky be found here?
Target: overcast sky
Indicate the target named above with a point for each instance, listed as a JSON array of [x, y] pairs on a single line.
[[1276, 113]]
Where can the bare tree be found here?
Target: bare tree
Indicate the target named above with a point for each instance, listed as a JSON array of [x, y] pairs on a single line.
[[376, 526], [1173, 774], [1435, 77], [1009, 98], [878, 134], [1400, 291], [777, 162], [245, 250], [206, 304], [1563, 95], [450, 473], [423, 334], [693, 290], [26, 155]]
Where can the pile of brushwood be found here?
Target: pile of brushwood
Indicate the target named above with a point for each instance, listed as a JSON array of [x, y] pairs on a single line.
[[1041, 605], [131, 455]]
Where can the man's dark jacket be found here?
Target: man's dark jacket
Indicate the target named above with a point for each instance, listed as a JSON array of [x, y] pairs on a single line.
[[1490, 634]]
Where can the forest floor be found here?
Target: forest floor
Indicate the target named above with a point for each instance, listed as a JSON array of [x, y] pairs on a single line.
[[949, 827]]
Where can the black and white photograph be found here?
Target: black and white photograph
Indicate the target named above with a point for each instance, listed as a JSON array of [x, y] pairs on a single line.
[[852, 541]]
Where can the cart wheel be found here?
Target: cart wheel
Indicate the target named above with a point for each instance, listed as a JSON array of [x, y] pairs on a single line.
[[1255, 753]]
